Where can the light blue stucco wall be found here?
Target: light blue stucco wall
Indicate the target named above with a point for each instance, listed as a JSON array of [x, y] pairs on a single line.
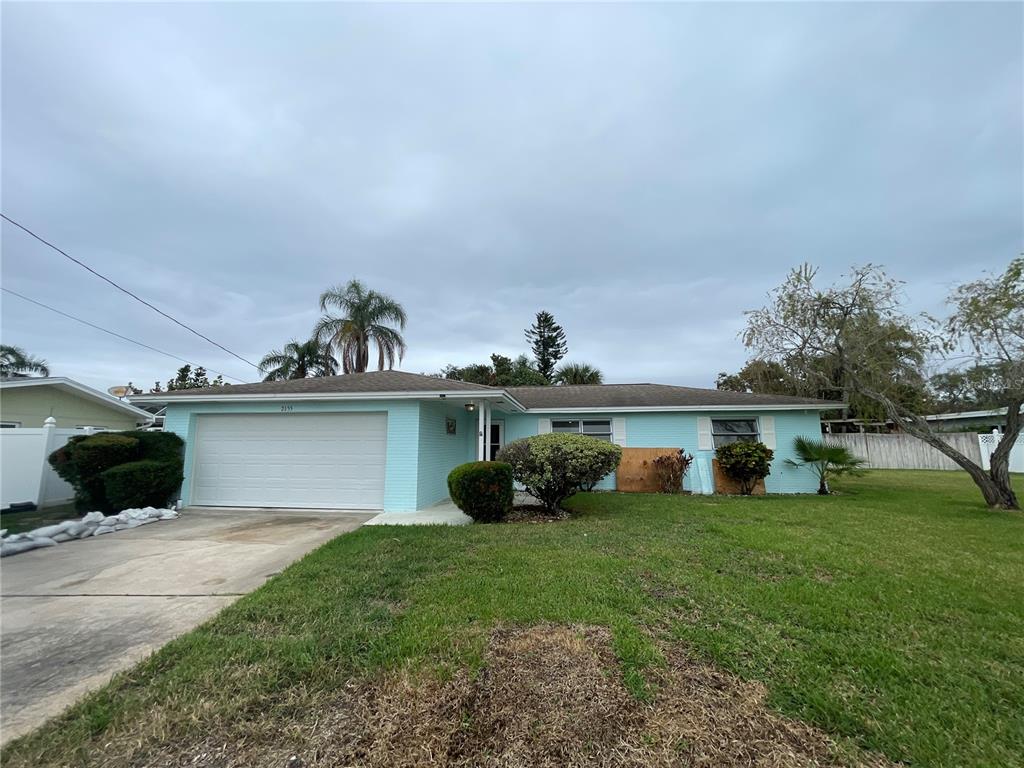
[[420, 453], [679, 430], [440, 452], [401, 468]]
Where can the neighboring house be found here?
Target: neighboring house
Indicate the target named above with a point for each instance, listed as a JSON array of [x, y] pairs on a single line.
[[387, 440], [969, 421], [28, 402]]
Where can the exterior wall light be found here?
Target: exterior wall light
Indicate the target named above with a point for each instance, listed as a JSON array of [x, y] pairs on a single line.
[[470, 407]]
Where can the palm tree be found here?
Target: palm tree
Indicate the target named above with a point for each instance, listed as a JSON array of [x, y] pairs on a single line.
[[15, 362], [825, 459], [577, 373], [298, 360], [364, 317]]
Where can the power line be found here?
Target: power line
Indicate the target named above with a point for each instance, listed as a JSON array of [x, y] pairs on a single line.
[[124, 290], [114, 333]]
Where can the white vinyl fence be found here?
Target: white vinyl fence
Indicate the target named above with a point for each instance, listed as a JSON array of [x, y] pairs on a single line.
[[988, 443], [902, 451], [25, 473]]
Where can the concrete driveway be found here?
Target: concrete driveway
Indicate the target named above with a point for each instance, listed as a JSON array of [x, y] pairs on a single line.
[[73, 615]]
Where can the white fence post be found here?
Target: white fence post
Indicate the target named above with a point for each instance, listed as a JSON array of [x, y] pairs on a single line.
[[48, 447]]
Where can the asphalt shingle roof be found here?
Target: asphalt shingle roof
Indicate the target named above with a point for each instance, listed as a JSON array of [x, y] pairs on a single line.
[[591, 396], [371, 381], [646, 395]]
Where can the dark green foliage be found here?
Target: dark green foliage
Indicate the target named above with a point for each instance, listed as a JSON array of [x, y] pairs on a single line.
[[547, 340], [746, 463], [186, 378], [142, 484], [60, 460], [670, 470], [825, 460], [85, 459], [502, 372], [554, 466], [482, 489], [158, 446]]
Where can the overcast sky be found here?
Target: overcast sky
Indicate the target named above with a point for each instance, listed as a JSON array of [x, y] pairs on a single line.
[[645, 173]]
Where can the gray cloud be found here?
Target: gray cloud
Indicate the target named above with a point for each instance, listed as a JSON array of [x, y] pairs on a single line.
[[644, 172]]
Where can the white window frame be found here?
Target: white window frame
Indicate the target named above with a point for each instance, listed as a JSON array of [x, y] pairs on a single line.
[[608, 435], [755, 436]]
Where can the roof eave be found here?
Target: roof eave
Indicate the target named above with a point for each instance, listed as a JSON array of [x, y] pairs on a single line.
[[490, 393], [690, 408]]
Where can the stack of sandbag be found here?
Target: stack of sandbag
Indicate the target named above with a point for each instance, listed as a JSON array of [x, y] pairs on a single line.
[[92, 524]]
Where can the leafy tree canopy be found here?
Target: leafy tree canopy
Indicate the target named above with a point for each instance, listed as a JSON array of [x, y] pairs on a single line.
[[501, 372], [851, 339], [187, 378]]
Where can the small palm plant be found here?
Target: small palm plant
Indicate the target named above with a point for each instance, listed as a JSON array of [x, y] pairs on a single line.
[[825, 459]]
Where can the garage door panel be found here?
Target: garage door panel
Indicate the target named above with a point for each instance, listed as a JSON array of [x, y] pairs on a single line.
[[291, 460]]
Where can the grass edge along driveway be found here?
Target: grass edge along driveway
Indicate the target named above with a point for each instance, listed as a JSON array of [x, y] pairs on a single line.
[[891, 615]]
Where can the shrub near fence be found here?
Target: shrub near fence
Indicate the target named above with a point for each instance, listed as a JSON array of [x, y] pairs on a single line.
[[903, 451]]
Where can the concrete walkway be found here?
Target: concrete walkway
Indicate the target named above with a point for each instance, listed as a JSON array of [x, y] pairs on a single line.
[[443, 513], [73, 615]]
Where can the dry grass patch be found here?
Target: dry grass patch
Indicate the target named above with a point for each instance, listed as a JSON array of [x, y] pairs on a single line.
[[545, 696]]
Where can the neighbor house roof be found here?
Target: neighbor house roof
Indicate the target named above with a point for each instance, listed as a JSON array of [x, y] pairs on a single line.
[[560, 398], [70, 385], [994, 412]]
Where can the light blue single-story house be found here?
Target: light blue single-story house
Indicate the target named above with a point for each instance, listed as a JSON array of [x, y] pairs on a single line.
[[387, 440]]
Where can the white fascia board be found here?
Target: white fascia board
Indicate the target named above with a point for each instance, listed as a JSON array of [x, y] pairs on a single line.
[[321, 396], [687, 408]]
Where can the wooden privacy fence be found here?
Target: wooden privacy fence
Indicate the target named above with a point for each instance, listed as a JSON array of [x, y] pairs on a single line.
[[903, 451]]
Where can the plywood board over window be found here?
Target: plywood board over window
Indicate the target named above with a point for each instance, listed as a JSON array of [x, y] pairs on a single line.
[[636, 471], [726, 485]]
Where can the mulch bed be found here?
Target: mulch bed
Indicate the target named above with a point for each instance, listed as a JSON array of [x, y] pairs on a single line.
[[546, 696]]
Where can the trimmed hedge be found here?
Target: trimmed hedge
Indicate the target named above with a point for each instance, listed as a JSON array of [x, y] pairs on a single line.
[[746, 463], [482, 489], [145, 483], [157, 446], [554, 466], [85, 458], [84, 461]]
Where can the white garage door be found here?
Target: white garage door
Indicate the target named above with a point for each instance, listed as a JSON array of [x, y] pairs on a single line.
[[319, 461]]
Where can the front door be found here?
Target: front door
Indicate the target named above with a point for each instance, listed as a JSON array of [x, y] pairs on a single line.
[[496, 439]]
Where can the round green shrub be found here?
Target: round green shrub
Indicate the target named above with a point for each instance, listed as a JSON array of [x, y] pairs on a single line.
[[144, 483], [746, 463], [482, 489], [554, 466], [85, 457], [158, 446]]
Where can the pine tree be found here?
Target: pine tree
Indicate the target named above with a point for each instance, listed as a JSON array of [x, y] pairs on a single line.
[[547, 340]]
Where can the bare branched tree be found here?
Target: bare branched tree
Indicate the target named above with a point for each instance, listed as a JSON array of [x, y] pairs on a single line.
[[855, 336]]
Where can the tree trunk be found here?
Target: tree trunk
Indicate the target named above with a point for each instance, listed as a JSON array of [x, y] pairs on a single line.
[[994, 484]]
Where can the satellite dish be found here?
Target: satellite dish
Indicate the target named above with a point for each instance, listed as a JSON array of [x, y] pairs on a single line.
[[118, 392]]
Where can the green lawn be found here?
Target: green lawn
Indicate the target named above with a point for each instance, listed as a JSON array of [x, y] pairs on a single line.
[[17, 522], [891, 615]]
